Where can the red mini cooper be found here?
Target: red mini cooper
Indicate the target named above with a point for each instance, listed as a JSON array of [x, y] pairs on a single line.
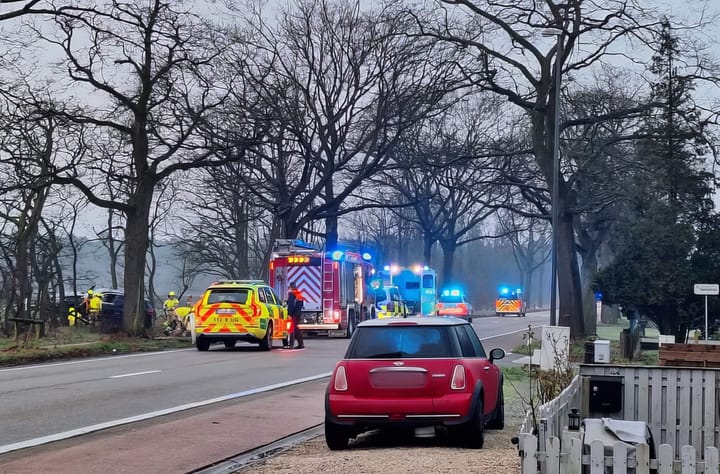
[[419, 373]]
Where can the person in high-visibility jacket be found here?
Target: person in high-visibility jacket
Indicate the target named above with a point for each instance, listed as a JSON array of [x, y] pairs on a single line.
[[72, 316], [170, 304], [95, 307]]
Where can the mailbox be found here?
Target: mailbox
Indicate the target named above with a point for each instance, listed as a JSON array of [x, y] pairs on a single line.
[[603, 396]]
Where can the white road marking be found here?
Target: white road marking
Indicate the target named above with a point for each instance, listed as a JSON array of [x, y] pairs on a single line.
[[133, 374], [96, 359], [145, 416]]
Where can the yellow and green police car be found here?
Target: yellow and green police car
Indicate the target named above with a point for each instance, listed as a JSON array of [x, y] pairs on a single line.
[[240, 310]]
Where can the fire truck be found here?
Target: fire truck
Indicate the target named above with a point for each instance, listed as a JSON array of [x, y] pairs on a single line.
[[334, 285], [509, 302]]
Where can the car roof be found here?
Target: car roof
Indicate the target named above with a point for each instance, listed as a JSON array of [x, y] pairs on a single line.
[[118, 291], [414, 321], [237, 284]]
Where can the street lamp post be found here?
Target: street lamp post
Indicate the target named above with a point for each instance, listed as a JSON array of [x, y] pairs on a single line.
[[555, 181]]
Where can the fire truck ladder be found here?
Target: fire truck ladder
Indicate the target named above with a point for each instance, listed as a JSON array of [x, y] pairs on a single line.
[[327, 287]]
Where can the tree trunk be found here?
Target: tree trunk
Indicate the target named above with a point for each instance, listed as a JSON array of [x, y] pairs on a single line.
[[569, 291], [331, 228], [448, 247], [112, 251], [427, 248], [588, 272], [136, 246]]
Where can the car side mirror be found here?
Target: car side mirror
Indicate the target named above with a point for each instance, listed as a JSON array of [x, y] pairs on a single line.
[[496, 354]]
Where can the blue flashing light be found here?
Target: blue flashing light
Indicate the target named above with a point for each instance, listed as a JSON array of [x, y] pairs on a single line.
[[504, 290], [337, 255], [426, 268], [367, 256], [386, 268]]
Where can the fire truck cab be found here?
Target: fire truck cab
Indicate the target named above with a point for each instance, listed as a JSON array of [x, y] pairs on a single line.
[[333, 285], [509, 302]]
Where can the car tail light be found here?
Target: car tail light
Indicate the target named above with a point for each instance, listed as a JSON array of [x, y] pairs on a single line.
[[257, 312], [457, 382], [462, 306], [439, 306], [288, 325], [341, 384]]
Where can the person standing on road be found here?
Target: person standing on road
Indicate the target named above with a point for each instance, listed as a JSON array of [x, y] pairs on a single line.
[[295, 303]]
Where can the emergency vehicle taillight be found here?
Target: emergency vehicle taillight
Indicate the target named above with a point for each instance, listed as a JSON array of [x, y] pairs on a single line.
[[462, 306], [288, 325], [440, 306], [457, 382], [341, 384]]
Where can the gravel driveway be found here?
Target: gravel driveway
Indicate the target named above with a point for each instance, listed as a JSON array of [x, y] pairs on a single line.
[[390, 454]]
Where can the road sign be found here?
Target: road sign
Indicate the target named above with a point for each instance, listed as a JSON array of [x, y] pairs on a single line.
[[707, 289]]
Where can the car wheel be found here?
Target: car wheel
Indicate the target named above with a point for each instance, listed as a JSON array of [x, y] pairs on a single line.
[[266, 342], [470, 319], [475, 429], [336, 437], [229, 344], [498, 421], [202, 345], [351, 325]]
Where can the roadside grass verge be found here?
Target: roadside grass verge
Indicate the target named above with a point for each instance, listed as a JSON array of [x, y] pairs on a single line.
[[71, 343]]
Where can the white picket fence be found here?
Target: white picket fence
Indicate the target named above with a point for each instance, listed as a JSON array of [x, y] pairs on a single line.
[[569, 457], [680, 406]]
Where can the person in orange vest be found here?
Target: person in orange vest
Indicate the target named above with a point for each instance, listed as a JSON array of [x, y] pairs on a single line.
[[295, 303]]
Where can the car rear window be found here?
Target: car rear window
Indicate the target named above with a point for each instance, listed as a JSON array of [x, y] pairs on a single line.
[[401, 342], [233, 295], [470, 344], [451, 299]]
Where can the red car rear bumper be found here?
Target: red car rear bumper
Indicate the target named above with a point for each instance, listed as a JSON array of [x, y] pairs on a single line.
[[363, 414]]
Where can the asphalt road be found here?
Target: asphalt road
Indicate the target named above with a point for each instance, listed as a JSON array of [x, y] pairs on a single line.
[[44, 402]]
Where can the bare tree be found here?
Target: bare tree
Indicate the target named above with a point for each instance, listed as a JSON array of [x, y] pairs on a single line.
[[506, 41], [153, 63], [530, 240], [339, 86]]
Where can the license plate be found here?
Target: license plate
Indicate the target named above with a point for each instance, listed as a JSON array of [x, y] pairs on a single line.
[[224, 311], [226, 319]]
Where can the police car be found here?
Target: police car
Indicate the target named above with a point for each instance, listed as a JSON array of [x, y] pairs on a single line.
[[240, 310]]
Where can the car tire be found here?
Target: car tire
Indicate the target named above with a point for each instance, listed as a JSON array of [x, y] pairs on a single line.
[[351, 325], [229, 344], [470, 319], [475, 428], [498, 421], [266, 343], [202, 345], [336, 437]]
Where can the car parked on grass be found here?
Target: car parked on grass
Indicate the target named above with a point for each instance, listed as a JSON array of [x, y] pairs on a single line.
[[426, 374], [454, 303], [111, 312]]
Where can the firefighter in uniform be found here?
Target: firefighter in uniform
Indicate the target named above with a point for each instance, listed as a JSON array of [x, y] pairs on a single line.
[[95, 306], [72, 316], [295, 303], [170, 304]]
